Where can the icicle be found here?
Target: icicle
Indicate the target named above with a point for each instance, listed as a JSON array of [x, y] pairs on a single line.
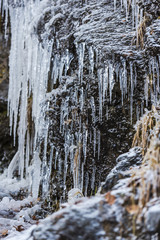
[[81, 50], [79, 148], [146, 89], [94, 141], [27, 153], [15, 85], [141, 16], [133, 13], [114, 5], [61, 118], [93, 178], [22, 127], [36, 175], [13, 165], [111, 80], [107, 112], [59, 165], [137, 16], [99, 143], [82, 99], [86, 184], [55, 161], [126, 7], [66, 149], [51, 160], [93, 110], [44, 163], [153, 74], [117, 69], [132, 89], [91, 60], [124, 78], [72, 148], [121, 85], [97, 56], [82, 176], [90, 137], [158, 75], [67, 61], [60, 70], [135, 76], [55, 70], [100, 93], [5, 5], [85, 137], [105, 83], [60, 63], [75, 168]]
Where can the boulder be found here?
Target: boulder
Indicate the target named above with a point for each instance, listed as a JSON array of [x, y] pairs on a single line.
[[124, 162]]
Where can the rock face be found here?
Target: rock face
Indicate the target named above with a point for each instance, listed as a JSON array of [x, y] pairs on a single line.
[[94, 119], [121, 170]]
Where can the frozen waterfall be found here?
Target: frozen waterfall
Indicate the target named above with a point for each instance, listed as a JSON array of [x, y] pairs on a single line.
[[38, 76]]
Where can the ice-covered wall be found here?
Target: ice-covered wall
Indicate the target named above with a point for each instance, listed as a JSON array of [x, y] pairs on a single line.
[[40, 70]]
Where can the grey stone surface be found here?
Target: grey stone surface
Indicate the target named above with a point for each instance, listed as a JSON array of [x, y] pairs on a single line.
[[124, 163]]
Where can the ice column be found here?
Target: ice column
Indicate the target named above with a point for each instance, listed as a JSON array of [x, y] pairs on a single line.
[[29, 64]]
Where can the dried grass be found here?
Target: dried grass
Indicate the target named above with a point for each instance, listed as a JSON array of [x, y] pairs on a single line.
[[147, 177], [144, 130], [140, 33]]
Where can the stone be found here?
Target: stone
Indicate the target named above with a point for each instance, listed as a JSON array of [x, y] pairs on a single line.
[[152, 218], [124, 162]]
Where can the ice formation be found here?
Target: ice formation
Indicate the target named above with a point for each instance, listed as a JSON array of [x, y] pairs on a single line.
[[28, 86], [30, 63]]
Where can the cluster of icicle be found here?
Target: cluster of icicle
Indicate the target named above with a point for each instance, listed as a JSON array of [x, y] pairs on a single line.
[[75, 145], [131, 6], [29, 64]]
